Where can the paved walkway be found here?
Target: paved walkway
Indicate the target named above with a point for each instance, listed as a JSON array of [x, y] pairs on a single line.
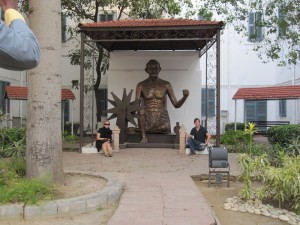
[[161, 199], [159, 189]]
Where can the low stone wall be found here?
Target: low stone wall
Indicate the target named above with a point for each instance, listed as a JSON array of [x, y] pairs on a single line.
[[66, 207]]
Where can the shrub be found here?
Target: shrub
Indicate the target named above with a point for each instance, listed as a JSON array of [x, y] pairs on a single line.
[[280, 182], [283, 134], [234, 140], [12, 142], [239, 126], [71, 138]]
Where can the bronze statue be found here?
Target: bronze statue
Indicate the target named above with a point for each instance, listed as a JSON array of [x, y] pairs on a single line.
[[153, 91]]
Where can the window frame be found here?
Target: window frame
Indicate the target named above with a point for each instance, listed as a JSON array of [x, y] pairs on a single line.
[[283, 108], [63, 28], [281, 21], [255, 31], [107, 17], [209, 102], [5, 105], [103, 101]]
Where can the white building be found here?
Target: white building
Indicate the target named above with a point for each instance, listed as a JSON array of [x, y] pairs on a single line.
[[240, 67]]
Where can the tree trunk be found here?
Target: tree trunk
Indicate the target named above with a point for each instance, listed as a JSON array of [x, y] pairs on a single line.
[[97, 83], [44, 137]]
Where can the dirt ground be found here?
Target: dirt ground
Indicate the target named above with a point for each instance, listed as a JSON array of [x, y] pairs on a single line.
[[215, 197], [78, 184]]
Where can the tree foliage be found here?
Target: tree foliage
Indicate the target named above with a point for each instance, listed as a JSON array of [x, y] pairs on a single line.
[[280, 25]]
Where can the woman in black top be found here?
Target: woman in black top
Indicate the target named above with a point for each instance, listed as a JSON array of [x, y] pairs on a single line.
[[103, 139]]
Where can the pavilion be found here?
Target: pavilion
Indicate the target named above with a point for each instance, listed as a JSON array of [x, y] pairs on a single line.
[[153, 34]]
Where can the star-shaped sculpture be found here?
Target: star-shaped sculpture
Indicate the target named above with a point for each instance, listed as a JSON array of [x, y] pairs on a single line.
[[125, 111]]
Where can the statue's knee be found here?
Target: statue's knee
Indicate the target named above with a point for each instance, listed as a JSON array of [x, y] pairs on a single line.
[[142, 112], [164, 128]]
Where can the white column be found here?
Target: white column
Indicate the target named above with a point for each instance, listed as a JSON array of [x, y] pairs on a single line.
[[116, 139], [182, 139]]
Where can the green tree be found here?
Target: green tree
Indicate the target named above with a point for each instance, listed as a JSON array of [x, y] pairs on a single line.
[[278, 20]]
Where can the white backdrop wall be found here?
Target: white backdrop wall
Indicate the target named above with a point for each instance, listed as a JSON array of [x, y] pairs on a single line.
[[180, 68]]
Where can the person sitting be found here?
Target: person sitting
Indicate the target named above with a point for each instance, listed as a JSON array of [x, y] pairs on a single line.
[[153, 91], [103, 139], [199, 137]]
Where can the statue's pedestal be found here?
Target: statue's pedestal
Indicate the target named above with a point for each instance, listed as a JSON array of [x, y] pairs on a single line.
[[154, 141]]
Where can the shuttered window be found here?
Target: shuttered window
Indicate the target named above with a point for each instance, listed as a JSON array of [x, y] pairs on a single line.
[[282, 24], [106, 17], [208, 101], [103, 101], [3, 106], [64, 28], [1, 14], [256, 110], [282, 108], [255, 27], [66, 110]]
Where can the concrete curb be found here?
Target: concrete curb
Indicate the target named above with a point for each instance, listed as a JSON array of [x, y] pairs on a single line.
[[110, 194]]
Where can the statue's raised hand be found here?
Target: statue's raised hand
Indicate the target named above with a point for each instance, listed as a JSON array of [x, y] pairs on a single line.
[[185, 93]]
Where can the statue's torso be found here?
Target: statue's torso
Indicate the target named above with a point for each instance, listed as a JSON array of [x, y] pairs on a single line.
[[154, 95]]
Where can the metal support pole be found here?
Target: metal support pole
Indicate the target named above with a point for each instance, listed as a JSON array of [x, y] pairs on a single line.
[[81, 89], [206, 88], [72, 121], [235, 105], [93, 102], [218, 113]]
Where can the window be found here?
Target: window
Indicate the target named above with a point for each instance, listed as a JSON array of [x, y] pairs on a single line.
[[282, 108], [3, 106], [106, 17], [256, 110], [64, 28], [103, 101], [282, 24], [208, 102], [66, 110], [1, 14], [255, 27]]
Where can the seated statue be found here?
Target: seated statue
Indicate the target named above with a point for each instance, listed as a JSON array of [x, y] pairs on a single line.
[[153, 91]]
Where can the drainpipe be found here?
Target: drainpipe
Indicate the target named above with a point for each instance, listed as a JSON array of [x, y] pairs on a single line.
[[81, 90]]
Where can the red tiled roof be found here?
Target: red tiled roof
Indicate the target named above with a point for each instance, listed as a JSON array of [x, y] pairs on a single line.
[[268, 93], [151, 23], [21, 93]]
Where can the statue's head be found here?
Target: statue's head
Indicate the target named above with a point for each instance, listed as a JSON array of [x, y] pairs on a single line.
[[153, 68]]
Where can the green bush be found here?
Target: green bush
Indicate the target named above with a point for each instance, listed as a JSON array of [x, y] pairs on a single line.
[[71, 138], [259, 149], [12, 142], [235, 140], [283, 134], [239, 126]]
